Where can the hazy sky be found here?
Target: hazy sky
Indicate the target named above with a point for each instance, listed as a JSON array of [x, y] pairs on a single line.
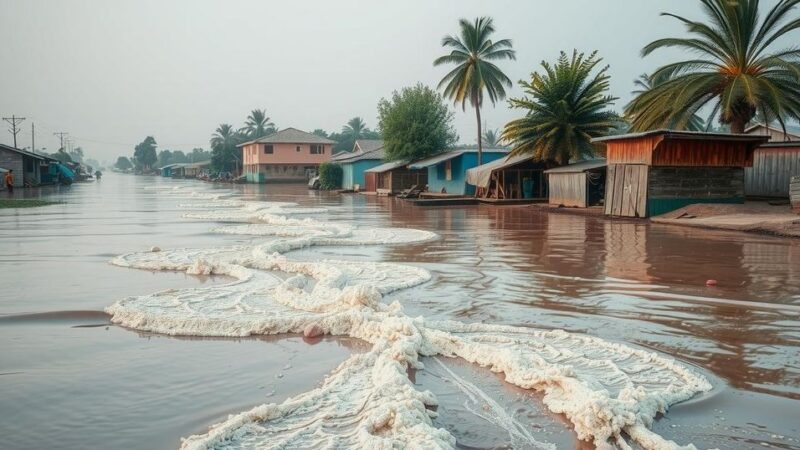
[[112, 72]]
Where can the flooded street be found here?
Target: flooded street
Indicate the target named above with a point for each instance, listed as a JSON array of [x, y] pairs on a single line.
[[69, 378]]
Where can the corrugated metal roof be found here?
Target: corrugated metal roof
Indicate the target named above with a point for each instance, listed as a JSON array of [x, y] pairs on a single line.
[[368, 145], [433, 160], [22, 152], [291, 136], [578, 167], [349, 157], [385, 167], [685, 134]]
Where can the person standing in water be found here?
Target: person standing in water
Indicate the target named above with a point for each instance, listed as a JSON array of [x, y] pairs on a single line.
[[9, 179]]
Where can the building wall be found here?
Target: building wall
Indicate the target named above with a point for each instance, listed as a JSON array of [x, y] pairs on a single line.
[[775, 135], [670, 188], [773, 168], [266, 173], [285, 153], [353, 173], [12, 161], [458, 184], [568, 189]]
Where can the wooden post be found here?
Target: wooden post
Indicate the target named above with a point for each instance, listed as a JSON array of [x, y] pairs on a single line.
[[794, 193]]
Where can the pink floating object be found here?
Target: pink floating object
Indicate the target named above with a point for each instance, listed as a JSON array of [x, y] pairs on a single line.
[[711, 282], [313, 330]]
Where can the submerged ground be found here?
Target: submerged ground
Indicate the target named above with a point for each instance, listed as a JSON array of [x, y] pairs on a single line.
[[74, 380]]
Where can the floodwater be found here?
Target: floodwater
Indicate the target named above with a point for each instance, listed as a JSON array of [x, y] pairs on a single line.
[[71, 379]]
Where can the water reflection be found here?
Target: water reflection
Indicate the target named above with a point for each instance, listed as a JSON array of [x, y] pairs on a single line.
[[621, 280]]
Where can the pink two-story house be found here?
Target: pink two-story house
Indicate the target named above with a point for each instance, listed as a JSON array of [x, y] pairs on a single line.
[[288, 155]]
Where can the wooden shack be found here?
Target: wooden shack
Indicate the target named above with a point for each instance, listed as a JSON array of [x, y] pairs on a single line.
[[511, 178], [774, 165], [655, 172], [580, 185], [393, 177]]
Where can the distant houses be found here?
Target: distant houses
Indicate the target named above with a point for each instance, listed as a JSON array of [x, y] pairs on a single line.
[[366, 154], [185, 170], [289, 155], [32, 169]]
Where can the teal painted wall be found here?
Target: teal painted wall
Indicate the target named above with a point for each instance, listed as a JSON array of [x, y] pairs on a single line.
[[353, 173], [460, 164], [658, 206]]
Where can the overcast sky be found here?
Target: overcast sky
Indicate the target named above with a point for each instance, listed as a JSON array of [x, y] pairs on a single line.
[[112, 72]]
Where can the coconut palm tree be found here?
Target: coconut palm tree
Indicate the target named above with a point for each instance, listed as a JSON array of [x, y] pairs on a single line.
[[646, 83], [491, 138], [355, 128], [473, 53], [736, 69], [565, 107], [258, 124], [225, 154]]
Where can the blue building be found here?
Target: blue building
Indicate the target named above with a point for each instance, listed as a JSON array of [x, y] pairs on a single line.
[[447, 172], [366, 154]]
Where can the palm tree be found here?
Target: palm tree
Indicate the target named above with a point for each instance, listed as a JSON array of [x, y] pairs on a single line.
[[223, 147], [355, 128], [735, 69], [473, 52], [646, 83], [258, 124], [566, 107], [491, 138]]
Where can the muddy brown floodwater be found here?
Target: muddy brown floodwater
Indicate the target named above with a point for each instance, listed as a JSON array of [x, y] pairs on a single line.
[[69, 379]]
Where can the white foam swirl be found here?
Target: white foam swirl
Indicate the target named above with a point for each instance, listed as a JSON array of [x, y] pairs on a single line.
[[609, 391]]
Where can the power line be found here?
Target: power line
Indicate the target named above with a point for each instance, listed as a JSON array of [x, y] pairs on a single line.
[[14, 121], [61, 135]]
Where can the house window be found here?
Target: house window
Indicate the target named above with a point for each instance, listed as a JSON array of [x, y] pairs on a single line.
[[268, 150], [317, 149], [298, 148], [448, 170]]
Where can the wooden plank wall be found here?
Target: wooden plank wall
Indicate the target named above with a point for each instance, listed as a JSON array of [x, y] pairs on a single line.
[[626, 190], [632, 151], [794, 193], [772, 171], [568, 189], [705, 153]]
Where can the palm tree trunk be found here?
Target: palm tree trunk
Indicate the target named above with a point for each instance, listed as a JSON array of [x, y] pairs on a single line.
[[738, 124], [480, 138]]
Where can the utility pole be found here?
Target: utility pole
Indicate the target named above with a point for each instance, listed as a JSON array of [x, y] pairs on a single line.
[[61, 135], [33, 137], [14, 121]]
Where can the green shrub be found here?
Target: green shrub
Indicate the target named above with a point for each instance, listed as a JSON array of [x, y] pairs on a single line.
[[330, 176]]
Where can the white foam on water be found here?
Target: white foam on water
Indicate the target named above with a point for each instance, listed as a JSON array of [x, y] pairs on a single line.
[[609, 391]]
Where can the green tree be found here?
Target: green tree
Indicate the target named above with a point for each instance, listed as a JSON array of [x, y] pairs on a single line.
[[565, 107], [123, 163], [735, 69], [258, 125], [165, 158], [179, 157], [355, 129], [647, 82], [320, 132], [330, 176], [62, 156], [144, 154], [491, 138], [415, 123], [198, 154], [225, 155], [76, 154], [473, 53]]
